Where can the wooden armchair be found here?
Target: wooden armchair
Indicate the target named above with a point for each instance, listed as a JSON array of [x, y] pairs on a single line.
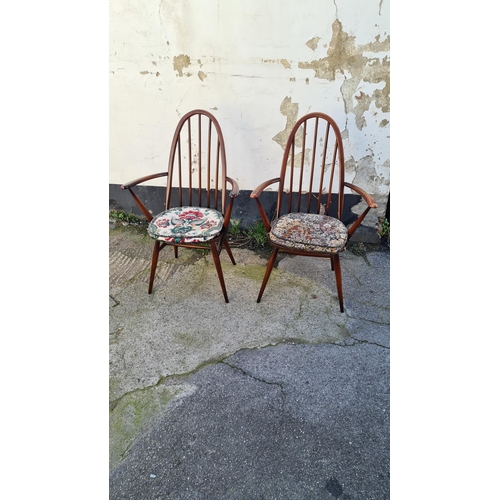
[[310, 197], [197, 209]]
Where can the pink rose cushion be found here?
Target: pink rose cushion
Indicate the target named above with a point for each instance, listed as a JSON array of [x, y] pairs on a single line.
[[186, 225]]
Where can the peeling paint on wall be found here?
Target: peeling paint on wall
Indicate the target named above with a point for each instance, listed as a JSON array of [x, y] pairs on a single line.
[[284, 62], [181, 61], [313, 43], [291, 111], [201, 75], [348, 60], [366, 175]]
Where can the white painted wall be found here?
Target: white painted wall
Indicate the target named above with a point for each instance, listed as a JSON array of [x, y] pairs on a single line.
[[245, 58]]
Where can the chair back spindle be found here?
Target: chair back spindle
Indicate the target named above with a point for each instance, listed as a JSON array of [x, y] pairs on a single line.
[[197, 163], [313, 168]]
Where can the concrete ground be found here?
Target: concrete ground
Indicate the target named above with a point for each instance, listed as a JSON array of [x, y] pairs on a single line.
[[286, 399]]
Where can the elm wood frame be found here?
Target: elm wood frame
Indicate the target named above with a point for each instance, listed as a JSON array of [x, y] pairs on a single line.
[[199, 186], [324, 193]]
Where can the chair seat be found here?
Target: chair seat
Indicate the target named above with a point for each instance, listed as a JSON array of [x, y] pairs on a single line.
[[309, 233], [186, 225]]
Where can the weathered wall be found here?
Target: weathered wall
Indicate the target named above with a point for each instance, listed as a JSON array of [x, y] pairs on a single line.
[[258, 65]]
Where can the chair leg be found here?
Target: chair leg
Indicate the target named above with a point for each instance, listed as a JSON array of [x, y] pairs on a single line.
[[215, 254], [228, 250], [176, 251], [269, 269], [338, 279], [154, 262]]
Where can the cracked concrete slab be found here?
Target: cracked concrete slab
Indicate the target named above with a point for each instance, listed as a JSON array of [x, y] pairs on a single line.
[[281, 422], [285, 363]]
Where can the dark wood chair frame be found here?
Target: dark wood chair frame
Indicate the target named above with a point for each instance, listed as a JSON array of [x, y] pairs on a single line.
[[323, 203], [202, 195]]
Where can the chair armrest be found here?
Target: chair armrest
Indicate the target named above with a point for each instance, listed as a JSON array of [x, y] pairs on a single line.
[[140, 204], [255, 195], [128, 185], [258, 190], [370, 201], [235, 189]]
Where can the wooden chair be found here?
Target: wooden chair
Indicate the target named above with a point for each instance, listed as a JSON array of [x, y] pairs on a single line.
[[197, 209], [310, 197]]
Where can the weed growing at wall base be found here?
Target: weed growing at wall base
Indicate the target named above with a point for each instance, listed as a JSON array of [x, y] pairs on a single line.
[[253, 236], [234, 229], [257, 232], [384, 229], [124, 217]]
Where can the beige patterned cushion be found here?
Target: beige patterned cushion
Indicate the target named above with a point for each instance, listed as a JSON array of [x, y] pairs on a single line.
[[186, 225], [309, 232]]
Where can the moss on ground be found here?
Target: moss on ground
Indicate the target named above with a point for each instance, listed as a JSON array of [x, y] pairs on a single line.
[[132, 414]]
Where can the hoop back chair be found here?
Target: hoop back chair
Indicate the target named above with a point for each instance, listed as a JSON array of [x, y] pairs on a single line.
[[198, 201], [310, 197]]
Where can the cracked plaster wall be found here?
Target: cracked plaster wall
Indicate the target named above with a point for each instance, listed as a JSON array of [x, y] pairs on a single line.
[[258, 66]]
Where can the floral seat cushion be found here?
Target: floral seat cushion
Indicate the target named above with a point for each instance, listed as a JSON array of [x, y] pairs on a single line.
[[309, 232], [186, 225]]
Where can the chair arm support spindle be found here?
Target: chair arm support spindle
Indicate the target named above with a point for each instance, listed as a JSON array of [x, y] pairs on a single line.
[[370, 201], [255, 195], [140, 204]]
